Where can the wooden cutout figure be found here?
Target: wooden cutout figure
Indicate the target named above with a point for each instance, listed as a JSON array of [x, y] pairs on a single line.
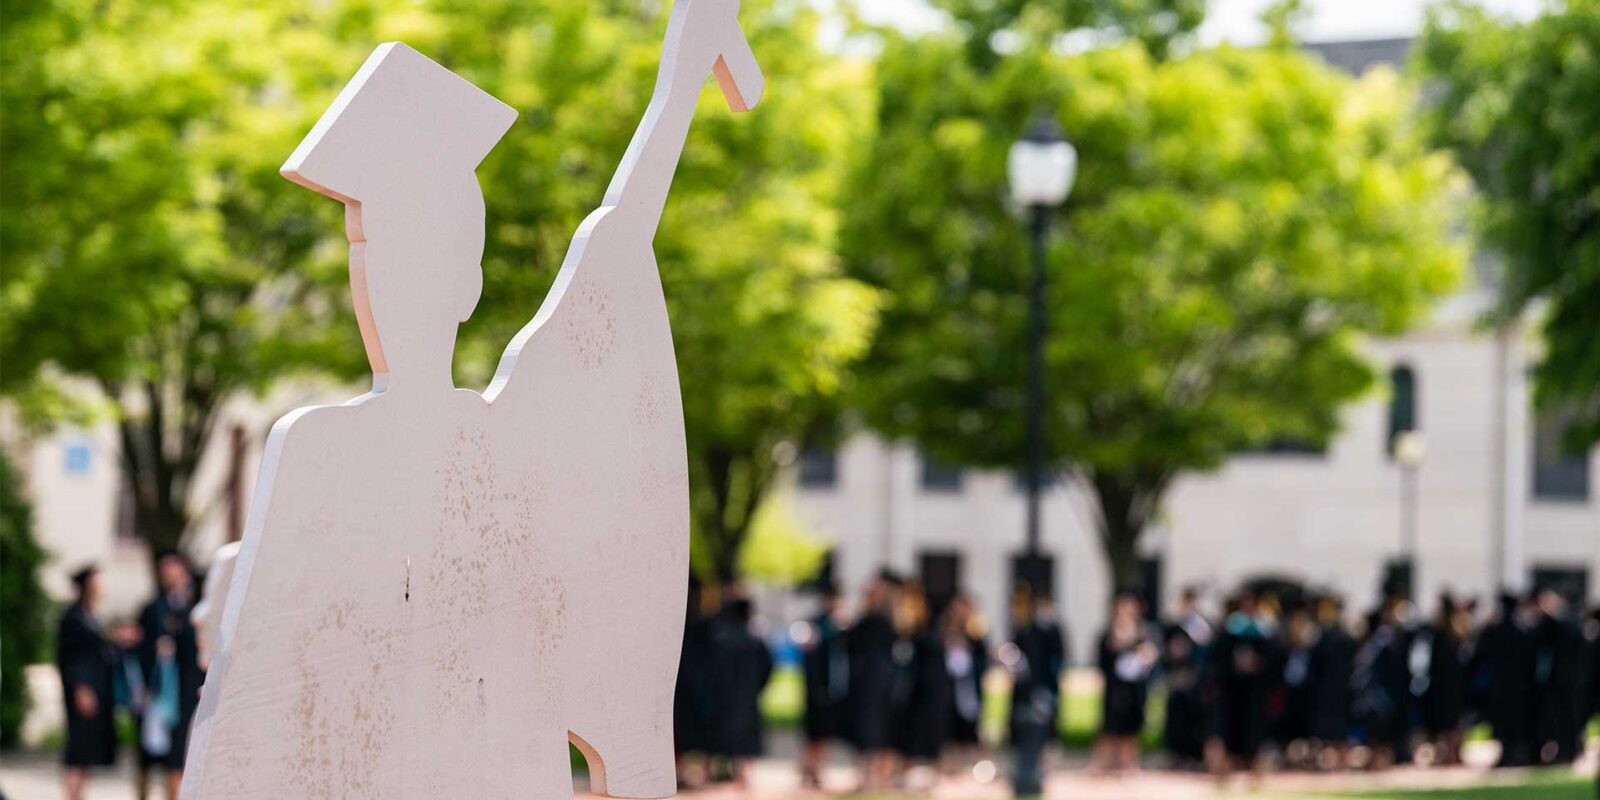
[[437, 590]]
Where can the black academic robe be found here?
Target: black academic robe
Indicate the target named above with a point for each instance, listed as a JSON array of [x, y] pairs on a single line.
[[1334, 657], [1300, 679], [1036, 689], [741, 665], [693, 703], [1189, 718], [1123, 699], [170, 617], [1382, 686], [85, 659], [1557, 690], [1444, 705], [966, 689], [1243, 659], [922, 698], [826, 666], [872, 677], [1506, 658]]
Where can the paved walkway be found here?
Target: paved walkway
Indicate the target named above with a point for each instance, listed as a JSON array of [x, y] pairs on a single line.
[[35, 777]]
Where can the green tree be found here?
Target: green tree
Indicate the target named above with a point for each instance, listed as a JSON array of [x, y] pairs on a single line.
[[1516, 103], [1241, 219], [22, 628], [149, 189]]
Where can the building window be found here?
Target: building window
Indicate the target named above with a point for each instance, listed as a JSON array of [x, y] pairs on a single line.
[[1571, 583], [1288, 446], [1558, 473], [941, 578], [1038, 572], [1402, 404], [1047, 481], [819, 469], [938, 476], [1150, 586]]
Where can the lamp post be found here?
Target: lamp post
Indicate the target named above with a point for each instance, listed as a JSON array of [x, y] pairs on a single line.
[[1041, 168], [1410, 448]]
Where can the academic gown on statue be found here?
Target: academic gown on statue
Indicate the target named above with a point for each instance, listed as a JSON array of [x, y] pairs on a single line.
[[741, 665], [85, 658], [872, 673]]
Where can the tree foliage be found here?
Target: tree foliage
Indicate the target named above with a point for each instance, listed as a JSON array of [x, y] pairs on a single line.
[[1241, 219], [1519, 106], [23, 630], [152, 247]]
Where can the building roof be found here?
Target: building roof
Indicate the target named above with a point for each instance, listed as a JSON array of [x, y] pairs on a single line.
[[1356, 57]]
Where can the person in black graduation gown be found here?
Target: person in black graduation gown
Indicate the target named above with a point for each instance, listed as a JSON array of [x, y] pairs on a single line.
[[692, 702], [1242, 659], [870, 643], [1382, 685], [741, 664], [1186, 641], [1557, 685], [1505, 660], [170, 658], [86, 661], [966, 659], [1445, 701], [1035, 657], [1300, 679], [1335, 660], [1126, 658], [826, 667], [922, 691]]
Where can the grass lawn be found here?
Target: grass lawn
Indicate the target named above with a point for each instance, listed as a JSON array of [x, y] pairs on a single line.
[[1554, 787]]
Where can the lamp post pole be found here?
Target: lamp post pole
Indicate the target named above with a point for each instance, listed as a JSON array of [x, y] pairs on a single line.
[[1040, 217], [1041, 168], [1409, 450]]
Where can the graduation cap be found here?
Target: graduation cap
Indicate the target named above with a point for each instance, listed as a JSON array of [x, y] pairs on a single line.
[[402, 123]]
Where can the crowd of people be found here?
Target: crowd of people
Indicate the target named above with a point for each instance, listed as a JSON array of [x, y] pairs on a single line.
[[147, 669], [1297, 680], [900, 680]]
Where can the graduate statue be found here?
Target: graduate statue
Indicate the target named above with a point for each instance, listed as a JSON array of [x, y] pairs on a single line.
[[437, 589]]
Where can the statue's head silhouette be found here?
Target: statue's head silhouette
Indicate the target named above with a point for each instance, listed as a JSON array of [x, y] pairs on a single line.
[[399, 147]]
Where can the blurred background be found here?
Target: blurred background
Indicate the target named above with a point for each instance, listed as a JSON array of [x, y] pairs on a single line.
[[1063, 300]]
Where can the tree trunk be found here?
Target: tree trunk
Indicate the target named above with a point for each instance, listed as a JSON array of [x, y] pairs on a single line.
[[1128, 500]]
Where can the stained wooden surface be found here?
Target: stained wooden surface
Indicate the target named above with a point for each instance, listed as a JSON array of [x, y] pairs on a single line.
[[438, 589]]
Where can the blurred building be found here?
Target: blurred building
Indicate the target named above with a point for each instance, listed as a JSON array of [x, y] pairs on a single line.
[[1496, 502]]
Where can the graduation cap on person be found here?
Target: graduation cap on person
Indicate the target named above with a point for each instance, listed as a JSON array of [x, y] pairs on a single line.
[[402, 123]]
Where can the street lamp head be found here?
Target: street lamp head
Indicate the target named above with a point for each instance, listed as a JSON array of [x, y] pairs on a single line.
[[1042, 165], [1410, 447]]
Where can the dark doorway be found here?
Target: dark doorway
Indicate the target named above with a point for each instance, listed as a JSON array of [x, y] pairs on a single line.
[[1571, 583], [1035, 572], [941, 578]]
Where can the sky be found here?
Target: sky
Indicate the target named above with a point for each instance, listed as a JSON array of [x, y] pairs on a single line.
[[1238, 21]]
